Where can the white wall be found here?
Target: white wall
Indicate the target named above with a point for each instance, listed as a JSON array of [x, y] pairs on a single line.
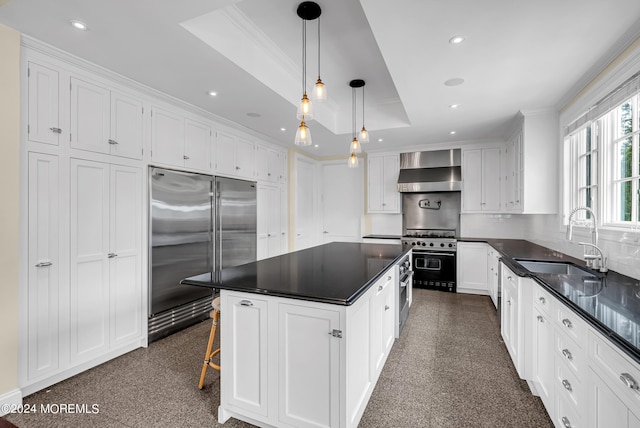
[[506, 226], [9, 214]]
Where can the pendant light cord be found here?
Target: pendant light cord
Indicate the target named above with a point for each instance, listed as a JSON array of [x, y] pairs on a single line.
[[353, 110], [304, 56], [318, 47], [363, 106]]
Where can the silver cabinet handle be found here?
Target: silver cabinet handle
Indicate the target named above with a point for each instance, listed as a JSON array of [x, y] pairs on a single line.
[[566, 422], [245, 303], [268, 174], [56, 130], [112, 255], [283, 233], [113, 142], [510, 278], [380, 287], [386, 307], [567, 323], [325, 231], [629, 381], [237, 168], [542, 300], [185, 157], [566, 385], [389, 278], [540, 318], [509, 302], [567, 354], [43, 264]]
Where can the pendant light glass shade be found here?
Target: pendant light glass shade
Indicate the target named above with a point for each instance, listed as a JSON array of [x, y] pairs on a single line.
[[303, 136], [353, 161], [320, 90], [364, 135], [305, 109], [355, 146]]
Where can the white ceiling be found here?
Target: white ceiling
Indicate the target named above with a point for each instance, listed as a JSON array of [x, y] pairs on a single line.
[[517, 56]]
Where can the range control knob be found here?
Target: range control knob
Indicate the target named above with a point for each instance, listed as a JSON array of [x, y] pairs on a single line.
[[442, 244], [431, 244], [450, 245], [413, 243], [424, 244]]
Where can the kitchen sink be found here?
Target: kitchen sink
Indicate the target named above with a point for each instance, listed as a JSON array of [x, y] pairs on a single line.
[[554, 268]]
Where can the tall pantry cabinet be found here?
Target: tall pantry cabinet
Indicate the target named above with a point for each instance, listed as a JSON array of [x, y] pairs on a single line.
[[81, 293]]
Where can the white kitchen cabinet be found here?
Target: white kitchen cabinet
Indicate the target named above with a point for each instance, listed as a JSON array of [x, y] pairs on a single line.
[[493, 274], [245, 358], [514, 324], [181, 142], [43, 284], [472, 268], [531, 172], [308, 356], [382, 188], [234, 156], [481, 180], [105, 290], [383, 318], [342, 202], [269, 165], [105, 121], [43, 104], [269, 228], [542, 368]]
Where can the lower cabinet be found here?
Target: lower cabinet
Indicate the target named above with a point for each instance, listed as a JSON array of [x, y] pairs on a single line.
[[542, 364], [493, 274], [472, 268], [510, 317], [296, 363]]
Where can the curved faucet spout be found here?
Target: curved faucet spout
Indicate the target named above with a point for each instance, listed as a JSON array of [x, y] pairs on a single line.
[[594, 224]]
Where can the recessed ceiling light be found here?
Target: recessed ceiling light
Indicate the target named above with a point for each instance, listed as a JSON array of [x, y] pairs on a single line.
[[79, 25], [380, 140], [212, 93], [316, 146], [454, 106], [252, 114], [456, 40], [452, 132], [283, 129], [454, 82]]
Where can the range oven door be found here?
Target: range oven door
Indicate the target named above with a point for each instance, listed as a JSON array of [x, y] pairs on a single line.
[[435, 270]]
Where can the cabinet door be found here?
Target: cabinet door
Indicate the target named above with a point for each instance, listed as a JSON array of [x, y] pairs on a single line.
[[284, 220], [197, 145], [43, 295], [342, 203], [283, 175], [90, 116], [390, 194], [43, 87], [543, 360], [605, 408], [491, 179], [273, 225], [262, 221], [244, 375], [273, 165], [472, 180], [125, 274], [89, 276], [375, 180], [126, 126], [225, 153], [472, 267], [308, 366], [382, 324], [262, 163], [245, 159], [167, 137]]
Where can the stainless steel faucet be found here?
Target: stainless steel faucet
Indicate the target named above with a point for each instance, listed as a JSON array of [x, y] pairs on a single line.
[[592, 260]]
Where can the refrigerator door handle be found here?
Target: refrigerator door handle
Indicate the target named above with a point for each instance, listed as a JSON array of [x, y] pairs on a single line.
[[219, 233]]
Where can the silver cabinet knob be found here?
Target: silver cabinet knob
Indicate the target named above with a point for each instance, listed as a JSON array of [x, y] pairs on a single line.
[[325, 231], [185, 157], [567, 354], [112, 255], [567, 385], [56, 130], [43, 264], [567, 323], [113, 142], [566, 422], [542, 300], [237, 168], [245, 303], [629, 381], [540, 318], [380, 287], [386, 307]]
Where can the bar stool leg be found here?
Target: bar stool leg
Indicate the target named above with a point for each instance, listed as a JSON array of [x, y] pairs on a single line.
[[209, 355]]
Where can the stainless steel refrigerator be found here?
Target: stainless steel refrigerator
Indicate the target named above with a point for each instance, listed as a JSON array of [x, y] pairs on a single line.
[[198, 224]]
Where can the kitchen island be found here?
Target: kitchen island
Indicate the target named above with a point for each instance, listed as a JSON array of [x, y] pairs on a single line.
[[304, 336]]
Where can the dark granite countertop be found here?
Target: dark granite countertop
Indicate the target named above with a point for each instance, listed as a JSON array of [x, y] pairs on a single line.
[[609, 302], [337, 273], [382, 237]]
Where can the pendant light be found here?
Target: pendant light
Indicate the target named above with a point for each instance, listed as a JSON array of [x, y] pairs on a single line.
[[355, 146], [303, 136], [364, 134], [320, 90], [307, 11]]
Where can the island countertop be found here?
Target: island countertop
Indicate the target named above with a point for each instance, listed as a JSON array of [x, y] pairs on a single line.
[[336, 273]]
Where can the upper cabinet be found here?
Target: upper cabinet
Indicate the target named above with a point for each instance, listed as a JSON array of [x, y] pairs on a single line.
[[481, 180], [531, 164], [271, 165], [382, 184], [180, 142], [43, 124], [234, 156]]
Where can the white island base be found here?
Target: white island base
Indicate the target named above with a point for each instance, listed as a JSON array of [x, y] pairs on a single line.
[[297, 363]]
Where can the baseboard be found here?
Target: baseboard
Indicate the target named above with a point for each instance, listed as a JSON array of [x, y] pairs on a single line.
[[10, 401], [472, 291]]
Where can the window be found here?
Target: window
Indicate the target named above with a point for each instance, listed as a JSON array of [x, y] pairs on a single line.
[[583, 177]]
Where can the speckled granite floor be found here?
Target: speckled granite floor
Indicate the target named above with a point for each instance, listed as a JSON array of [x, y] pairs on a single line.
[[448, 369]]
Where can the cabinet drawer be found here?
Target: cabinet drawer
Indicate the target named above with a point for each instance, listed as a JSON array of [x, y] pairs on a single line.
[[384, 281], [569, 352], [572, 325], [543, 299], [619, 372], [568, 386], [566, 414]]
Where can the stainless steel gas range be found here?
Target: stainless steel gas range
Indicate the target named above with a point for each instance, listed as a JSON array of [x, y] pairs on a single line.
[[434, 259]]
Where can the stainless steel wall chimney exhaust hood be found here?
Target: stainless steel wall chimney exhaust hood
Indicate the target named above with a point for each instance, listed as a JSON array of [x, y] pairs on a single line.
[[435, 171]]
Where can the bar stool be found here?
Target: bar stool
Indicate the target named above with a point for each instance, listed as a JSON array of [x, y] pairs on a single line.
[[215, 316]]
